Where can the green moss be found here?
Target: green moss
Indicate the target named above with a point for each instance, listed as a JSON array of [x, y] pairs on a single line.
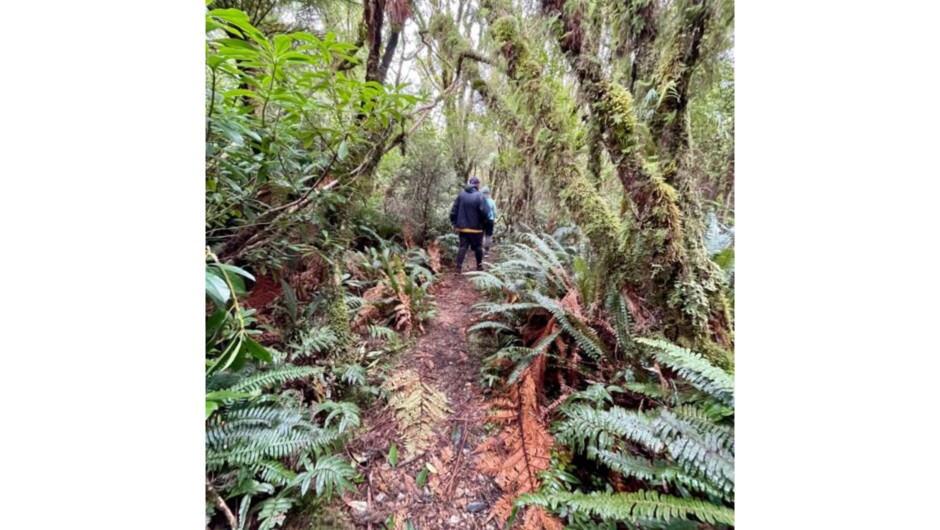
[[505, 30], [617, 104], [338, 316]]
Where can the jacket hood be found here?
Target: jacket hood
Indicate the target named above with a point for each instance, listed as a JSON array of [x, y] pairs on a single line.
[[470, 188]]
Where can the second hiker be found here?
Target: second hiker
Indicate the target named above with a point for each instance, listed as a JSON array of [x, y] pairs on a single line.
[[488, 230], [470, 216]]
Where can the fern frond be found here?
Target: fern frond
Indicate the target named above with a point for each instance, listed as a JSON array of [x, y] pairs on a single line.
[[530, 355], [490, 308], [521, 452], [272, 510], [250, 435], [418, 406], [274, 472], [264, 445], [277, 376], [585, 428], [352, 374], [347, 412], [656, 473], [314, 340], [333, 473], [700, 448], [382, 332], [694, 368], [636, 506], [545, 250], [583, 335], [487, 281], [490, 325], [621, 317]]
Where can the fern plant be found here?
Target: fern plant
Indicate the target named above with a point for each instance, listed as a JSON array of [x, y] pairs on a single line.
[[686, 450], [666, 421], [253, 445], [396, 287], [637, 507]]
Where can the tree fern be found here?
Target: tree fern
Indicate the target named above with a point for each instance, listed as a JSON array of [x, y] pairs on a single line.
[[635, 506], [694, 368]]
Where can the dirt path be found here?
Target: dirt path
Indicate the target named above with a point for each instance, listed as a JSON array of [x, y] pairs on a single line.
[[457, 495]]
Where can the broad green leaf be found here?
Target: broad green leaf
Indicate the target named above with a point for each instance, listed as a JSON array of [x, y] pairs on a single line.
[[216, 289], [211, 406], [422, 477], [213, 25], [238, 43], [281, 44], [238, 284], [215, 321], [232, 351], [342, 151], [219, 395], [233, 269], [240, 92], [258, 351], [393, 455]]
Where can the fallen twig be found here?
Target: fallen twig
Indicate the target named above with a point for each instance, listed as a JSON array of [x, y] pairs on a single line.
[[449, 488], [220, 504]]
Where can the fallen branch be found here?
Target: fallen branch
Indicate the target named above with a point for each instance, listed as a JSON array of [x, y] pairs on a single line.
[[449, 488], [220, 504]]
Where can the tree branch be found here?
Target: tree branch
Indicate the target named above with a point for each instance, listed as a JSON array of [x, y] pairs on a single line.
[[220, 504]]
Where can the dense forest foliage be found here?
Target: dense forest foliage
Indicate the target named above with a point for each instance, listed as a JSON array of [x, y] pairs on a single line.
[[337, 137]]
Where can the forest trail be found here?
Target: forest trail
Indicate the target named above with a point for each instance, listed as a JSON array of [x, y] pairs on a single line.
[[454, 493]]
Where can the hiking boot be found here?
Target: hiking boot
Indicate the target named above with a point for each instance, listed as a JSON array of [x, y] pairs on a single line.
[[480, 267]]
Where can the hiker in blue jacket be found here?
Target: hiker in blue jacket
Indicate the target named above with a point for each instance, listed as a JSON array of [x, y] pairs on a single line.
[[488, 230], [469, 216]]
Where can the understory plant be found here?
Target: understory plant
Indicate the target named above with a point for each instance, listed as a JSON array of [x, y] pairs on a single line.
[[266, 445], [631, 430]]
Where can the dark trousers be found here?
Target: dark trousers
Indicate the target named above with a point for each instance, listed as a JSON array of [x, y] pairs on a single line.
[[474, 241]]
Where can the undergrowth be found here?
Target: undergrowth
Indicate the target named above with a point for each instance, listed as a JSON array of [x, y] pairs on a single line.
[[600, 426]]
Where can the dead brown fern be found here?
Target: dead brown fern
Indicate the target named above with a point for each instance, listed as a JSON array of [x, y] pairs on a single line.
[[404, 320], [368, 312], [418, 407], [516, 456], [434, 255]]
